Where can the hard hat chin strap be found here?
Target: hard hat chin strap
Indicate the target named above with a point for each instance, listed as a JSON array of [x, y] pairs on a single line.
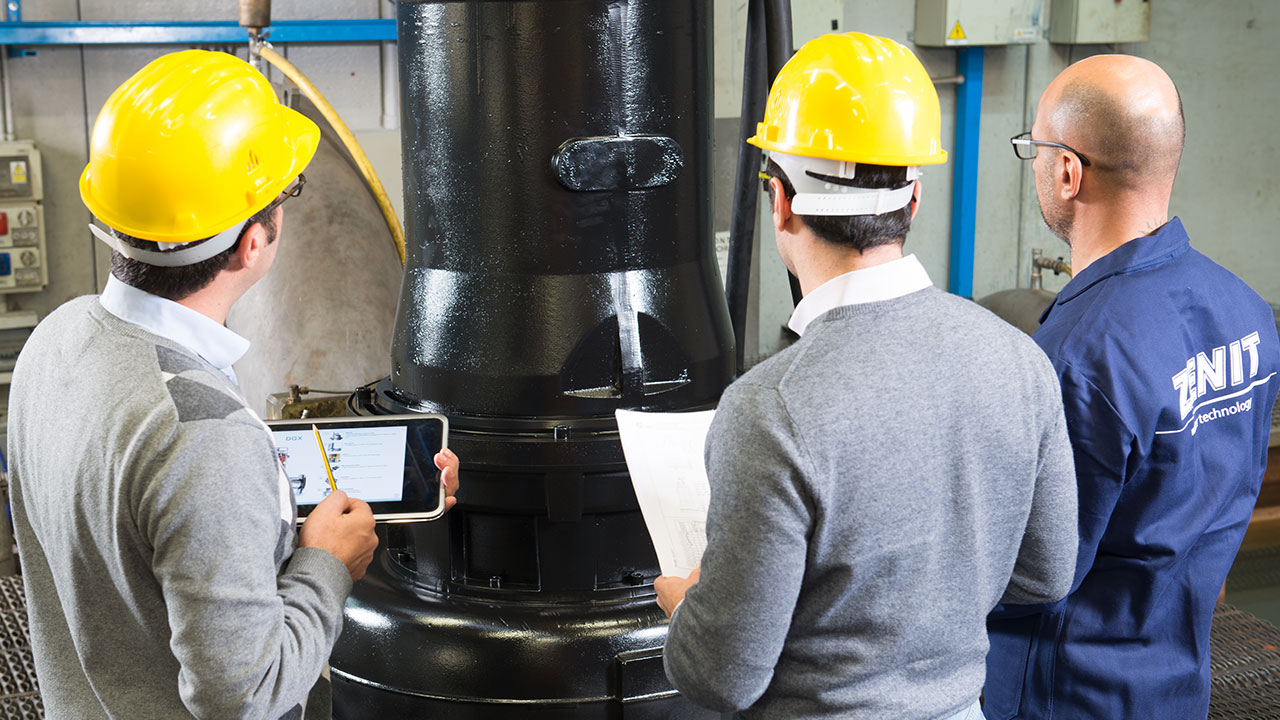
[[820, 192], [184, 254]]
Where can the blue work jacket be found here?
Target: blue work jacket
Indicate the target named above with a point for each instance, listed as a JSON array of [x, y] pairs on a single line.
[[1168, 366]]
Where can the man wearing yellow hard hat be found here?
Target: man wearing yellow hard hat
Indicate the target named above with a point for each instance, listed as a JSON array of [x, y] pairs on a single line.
[[880, 485], [154, 524]]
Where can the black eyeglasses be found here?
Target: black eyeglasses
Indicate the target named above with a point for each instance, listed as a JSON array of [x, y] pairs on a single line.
[[292, 191], [1025, 148]]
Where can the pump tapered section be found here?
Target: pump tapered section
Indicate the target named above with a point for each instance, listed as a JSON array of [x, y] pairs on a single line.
[[559, 266]]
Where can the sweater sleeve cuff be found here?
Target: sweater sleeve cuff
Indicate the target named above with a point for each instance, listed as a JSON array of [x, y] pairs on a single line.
[[313, 561]]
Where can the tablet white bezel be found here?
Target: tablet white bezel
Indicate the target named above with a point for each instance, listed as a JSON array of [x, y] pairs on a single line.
[[364, 421]]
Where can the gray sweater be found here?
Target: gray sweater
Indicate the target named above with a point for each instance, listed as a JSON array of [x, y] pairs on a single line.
[[156, 534], [875, 490]]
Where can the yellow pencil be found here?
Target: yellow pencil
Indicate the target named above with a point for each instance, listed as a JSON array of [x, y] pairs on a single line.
[[325, 455]]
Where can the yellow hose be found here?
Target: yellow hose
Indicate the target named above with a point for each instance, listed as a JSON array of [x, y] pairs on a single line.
[[348, 139]]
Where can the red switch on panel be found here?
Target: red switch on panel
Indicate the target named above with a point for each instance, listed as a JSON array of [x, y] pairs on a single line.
[[4, 223]]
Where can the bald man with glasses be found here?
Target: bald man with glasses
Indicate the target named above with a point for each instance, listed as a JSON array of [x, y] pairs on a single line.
[[1167, 363]]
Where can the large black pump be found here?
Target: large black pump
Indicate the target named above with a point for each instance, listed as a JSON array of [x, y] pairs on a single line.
[[560, 266]]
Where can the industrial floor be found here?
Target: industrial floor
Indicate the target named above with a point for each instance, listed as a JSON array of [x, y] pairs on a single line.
[[19, 696], [1245, 661]]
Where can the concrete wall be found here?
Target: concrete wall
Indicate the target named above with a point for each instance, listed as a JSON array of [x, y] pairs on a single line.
[[1223, 55]]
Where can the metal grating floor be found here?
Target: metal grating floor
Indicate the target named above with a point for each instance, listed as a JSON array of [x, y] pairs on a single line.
[[19, 694], [1245, 661]]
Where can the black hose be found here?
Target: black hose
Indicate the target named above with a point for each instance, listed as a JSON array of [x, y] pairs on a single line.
[[778, 33], [746, 192], [780, 46]]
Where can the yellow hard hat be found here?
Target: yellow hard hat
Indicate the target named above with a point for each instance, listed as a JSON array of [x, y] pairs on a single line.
[[855, 98], [192, 145]]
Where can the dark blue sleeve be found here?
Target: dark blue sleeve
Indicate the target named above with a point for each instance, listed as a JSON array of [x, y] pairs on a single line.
[[1101, 443]]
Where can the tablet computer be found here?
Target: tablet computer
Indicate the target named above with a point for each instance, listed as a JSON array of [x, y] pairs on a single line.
[[385, 460]]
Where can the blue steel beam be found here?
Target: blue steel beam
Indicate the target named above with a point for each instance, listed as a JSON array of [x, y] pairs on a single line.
[[193, 33], [964, 191]]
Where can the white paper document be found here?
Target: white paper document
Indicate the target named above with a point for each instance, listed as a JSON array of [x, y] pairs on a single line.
[[664, 457]]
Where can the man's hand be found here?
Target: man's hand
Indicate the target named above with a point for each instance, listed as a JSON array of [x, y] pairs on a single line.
[[447, 464], [671, 590], [344, 527]]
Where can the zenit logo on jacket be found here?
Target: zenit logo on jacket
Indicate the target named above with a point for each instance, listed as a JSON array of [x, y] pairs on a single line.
[[1203, 376], [1168, 367]]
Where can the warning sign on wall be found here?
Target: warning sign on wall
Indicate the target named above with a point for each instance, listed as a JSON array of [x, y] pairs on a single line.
[[957, 33]]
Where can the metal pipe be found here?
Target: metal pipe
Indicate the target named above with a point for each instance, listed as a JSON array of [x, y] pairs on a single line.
[[390, 88], [1023, 172], [390, 82], [14, 8], [8, 95], [191, 33], [255, 50], [255, 14], [1038, 261], [964, 194], [1058, 266]]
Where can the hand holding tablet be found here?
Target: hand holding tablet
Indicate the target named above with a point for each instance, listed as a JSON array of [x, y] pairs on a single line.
[[388, 461]]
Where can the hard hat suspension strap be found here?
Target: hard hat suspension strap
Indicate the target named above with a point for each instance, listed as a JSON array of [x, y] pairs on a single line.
[[823, 187], [185, 254]]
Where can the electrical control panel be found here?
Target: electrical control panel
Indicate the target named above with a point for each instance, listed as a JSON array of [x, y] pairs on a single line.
[[23, 254], [957, 23], [1078, 22]]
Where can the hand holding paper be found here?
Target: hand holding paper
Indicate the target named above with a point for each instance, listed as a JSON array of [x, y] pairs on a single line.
[[664, 457]]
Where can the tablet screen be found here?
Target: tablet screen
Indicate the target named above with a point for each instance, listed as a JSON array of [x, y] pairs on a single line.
[[386, 461]]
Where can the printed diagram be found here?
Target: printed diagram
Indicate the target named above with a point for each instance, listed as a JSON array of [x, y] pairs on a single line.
[[690, 540], [297, 482], [334, 452], [692, 493]]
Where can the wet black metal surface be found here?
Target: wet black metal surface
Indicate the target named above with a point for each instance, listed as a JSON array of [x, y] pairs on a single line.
[[559, 267], [522, 296]]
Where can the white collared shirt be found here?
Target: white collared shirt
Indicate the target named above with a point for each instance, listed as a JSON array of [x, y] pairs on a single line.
[[197, 332], [879, 282]]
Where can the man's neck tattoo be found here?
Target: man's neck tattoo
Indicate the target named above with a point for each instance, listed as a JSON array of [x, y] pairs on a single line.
[[1153, 224]]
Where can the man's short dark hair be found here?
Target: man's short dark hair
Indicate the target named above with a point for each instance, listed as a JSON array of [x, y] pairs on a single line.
[[176, 283], [859, 232]]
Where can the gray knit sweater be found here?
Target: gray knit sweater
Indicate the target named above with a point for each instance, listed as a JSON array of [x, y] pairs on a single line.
[[156, 535], [875, 490]]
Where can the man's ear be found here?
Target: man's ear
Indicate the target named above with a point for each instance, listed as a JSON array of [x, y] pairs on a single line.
[[1070, 173], [915, 198], [249, 250], [781, 205]]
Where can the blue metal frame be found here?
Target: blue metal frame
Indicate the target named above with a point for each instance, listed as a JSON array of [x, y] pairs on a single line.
[[964, 191], [194, 33]]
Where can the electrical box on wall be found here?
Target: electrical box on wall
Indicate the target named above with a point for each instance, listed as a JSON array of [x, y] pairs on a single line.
[[23, 256], [1078, 22], [949, 23]]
